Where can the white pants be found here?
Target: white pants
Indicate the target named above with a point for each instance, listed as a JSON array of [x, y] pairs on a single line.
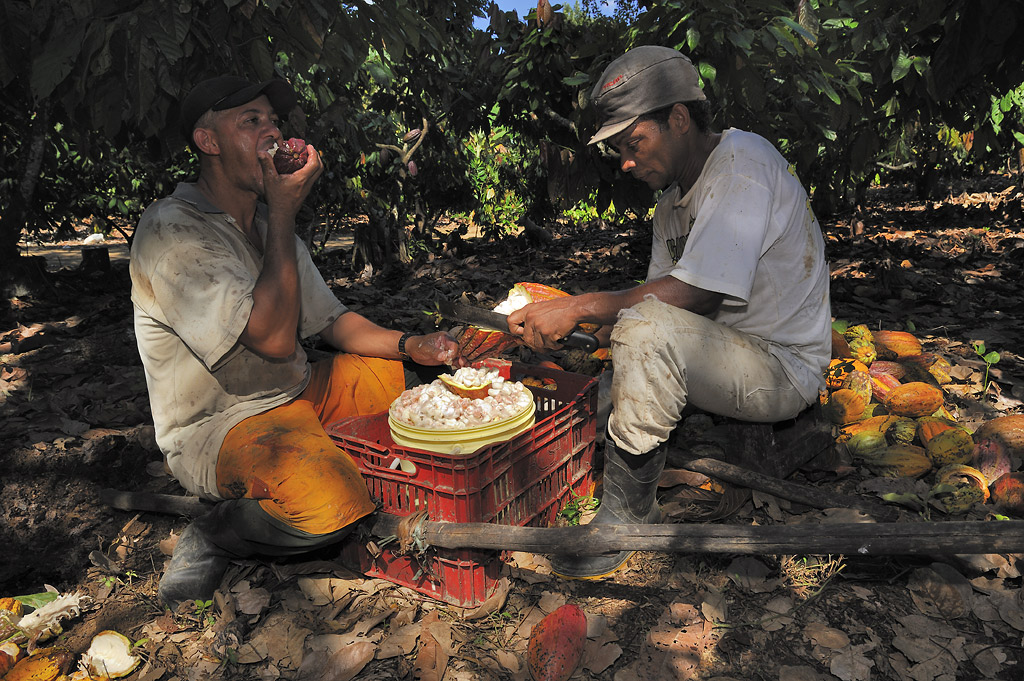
[[665, 357]]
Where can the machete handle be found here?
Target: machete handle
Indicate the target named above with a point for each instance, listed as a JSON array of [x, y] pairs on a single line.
[[581, 339]]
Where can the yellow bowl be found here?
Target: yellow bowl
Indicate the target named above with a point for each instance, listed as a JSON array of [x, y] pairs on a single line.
[[465, 440]]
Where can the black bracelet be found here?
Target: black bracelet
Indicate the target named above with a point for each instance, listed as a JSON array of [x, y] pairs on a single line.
[[401, 344]]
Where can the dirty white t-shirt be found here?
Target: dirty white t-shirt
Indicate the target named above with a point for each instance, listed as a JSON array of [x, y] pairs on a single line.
[[746, 230], [193, 272]]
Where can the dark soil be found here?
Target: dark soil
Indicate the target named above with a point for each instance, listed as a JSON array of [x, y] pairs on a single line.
[[76, 420]]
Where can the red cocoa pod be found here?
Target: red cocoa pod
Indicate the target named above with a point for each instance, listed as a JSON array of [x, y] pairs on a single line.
[[556, 644], [291, 155], [412, 169], [881, 366], [1008, 492], [991, 458]]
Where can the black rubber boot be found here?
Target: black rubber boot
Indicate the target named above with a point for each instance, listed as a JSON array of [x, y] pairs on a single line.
[[236, 528], [630, 490]]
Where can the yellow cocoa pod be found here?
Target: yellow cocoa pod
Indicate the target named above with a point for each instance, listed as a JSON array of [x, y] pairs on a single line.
[[901, 431], [13, 606], [844, 406], [866, 444], [47, 664], [901, 461], [839, 369], [863, 350], [914, 399], [860, 383], [952, 446]]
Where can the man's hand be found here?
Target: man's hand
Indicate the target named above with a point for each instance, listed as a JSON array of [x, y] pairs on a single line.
[[434, 349], [542, 325], [284, 194]]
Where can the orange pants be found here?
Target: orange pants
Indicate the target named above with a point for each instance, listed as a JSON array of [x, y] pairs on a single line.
[[284, 458]]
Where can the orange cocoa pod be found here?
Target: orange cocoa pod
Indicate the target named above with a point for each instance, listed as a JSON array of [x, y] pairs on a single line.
[[1007, 430], [556, 644], [844, 406], [914, 399], [930, 426], [890, 344], [876, 424], [840, 348], [1008, 492], [928, 368], [839, 369]]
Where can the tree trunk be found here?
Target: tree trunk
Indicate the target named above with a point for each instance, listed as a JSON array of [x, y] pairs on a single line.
[[16, 217]]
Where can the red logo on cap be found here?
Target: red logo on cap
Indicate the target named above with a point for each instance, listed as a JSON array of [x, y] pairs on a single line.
[[611, 82]]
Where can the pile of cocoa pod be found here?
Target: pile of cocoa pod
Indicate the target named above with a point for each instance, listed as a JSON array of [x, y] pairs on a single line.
[[885, 396]]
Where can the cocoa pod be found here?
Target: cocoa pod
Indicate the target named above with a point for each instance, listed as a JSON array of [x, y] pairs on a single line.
[[894, 369], [1008, 493], [556, 644], [991, 458], [906, 461], [882, 384], [863, 349], [1007, 430], [412, 169], [860, 383], [866, 444], [839, 369], [844, 406], [930, 426], [901, 431], [914, 399], [951, 446], [927, 368], [45, 665], [875, 424], [891, 344], [969, 487], [291, 155], [412, 135], [840, 348]]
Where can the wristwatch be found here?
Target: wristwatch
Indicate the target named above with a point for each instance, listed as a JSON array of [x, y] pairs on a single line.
[[401, 344]]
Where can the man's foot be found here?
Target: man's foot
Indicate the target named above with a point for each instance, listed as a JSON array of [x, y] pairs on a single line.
[[630, 490], [195, 570]]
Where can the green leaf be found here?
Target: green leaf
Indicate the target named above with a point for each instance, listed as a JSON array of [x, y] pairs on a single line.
[[991, 358], [901, 66], [576, 79]]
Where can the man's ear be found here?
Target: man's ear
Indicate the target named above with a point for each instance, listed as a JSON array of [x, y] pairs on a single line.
[[206, 141], [679, 117]]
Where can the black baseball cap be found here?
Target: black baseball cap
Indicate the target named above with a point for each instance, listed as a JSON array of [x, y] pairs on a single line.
[[226, 92]]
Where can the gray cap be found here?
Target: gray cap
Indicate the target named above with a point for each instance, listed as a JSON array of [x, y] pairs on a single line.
[[642, 80]]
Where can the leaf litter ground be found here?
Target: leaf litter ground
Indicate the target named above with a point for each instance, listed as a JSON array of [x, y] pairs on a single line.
[[76, 420]]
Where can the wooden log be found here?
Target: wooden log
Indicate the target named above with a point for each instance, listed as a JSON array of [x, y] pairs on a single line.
[[864, 539], [792, 491]]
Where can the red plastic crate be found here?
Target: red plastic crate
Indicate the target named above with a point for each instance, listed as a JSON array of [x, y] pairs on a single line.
[[522, 481]]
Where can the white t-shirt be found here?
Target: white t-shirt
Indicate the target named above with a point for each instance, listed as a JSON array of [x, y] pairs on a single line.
[[193, 272], [746, 230]]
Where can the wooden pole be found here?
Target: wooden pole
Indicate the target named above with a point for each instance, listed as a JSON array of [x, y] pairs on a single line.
[[865, 539], [803, 494]]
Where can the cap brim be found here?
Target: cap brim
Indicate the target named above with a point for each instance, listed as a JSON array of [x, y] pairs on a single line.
[[280, 94], [612, 129]]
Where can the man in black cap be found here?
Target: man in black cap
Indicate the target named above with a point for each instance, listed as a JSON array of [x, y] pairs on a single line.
[[734, 315], [222, 291]]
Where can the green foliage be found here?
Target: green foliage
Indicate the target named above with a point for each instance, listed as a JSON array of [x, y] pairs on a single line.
[[496, 164]]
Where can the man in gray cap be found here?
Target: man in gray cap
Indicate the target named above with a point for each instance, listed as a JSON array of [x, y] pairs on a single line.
[[223, 290], [734, 316]]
